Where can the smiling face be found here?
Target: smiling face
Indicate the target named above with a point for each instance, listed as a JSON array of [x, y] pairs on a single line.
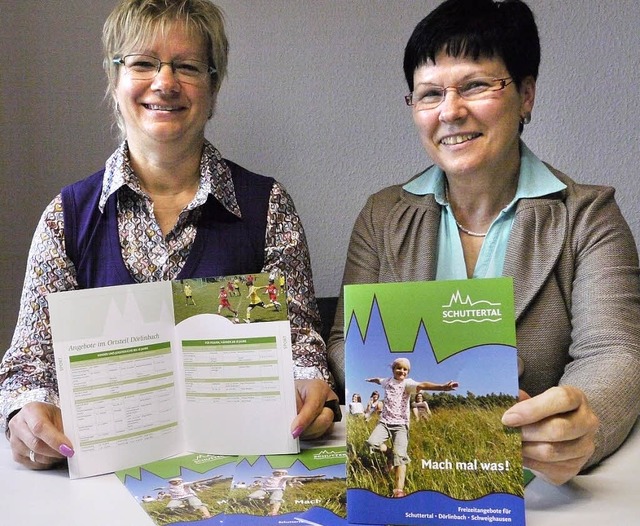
[[472, 137], [400, 369], [162, 110]]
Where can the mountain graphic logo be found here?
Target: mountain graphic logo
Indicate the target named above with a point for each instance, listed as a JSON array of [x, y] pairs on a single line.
[[465, 310], [330, 454]]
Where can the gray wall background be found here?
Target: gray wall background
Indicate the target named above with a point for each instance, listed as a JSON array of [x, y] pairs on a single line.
[[313, 98]]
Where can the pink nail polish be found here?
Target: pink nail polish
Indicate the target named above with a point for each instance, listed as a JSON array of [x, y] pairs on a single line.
[[297, 432], [66, 451]]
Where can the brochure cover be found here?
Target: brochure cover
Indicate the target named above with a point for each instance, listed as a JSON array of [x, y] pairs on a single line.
[[433, 366], [189, 488], [307, 489], [147, 371]]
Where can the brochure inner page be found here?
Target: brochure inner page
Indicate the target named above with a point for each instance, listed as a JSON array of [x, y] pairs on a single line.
[[239, 385], [152, 370], [116, 375]]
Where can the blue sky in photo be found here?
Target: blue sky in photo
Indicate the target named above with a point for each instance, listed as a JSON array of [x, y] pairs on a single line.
[[481, 370]]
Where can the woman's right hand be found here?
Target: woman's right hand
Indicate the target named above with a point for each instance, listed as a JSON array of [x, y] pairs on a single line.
[[558, 432], [36, 436]]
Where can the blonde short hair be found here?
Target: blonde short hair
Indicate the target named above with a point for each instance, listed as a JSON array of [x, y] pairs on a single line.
[[133, 22], [401, 361]]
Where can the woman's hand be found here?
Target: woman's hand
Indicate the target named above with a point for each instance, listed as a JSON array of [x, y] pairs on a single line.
[[313, 420], [558, 431], [36, 437]]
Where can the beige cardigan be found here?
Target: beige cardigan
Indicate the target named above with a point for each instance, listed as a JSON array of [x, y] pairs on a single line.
[[577, 298]]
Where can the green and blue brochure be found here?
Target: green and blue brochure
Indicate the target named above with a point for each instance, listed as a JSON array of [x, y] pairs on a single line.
[[308, 488], [462, 465]]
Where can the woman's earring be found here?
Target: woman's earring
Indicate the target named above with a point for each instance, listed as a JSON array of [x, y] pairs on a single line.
[[525, 119]]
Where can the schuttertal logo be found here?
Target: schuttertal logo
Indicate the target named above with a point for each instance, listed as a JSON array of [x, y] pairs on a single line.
[[466, 310], [327, 454]]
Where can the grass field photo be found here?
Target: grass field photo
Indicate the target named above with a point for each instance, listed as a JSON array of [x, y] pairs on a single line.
[[202, 296], [462, 451], [213, 496], [327, 493]]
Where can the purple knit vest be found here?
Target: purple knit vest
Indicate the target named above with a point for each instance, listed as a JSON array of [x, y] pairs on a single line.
[[224, 244]]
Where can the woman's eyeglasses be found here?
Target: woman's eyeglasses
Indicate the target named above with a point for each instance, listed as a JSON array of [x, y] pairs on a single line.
[[146, 67], [430, 96]]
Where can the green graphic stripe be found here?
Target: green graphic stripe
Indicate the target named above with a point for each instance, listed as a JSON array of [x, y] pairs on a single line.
[[128, 435], [264, 342], [205, 347], [409, 309], [314, 458], [128, 393], [126, 353], [233, 395], [232, 380], [189, 365], [173, 467], [124, 382]]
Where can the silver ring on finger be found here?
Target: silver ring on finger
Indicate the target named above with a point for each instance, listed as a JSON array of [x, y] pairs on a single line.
[[32, 456]]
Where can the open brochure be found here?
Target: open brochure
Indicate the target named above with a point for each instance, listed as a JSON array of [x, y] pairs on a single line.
[[152, 370], [425, 440], [306, 489]]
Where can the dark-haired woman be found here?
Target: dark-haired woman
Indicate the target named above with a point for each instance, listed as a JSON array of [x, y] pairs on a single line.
[[489, 207]]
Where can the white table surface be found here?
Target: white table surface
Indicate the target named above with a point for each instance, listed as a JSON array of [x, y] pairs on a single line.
[[608, 495]]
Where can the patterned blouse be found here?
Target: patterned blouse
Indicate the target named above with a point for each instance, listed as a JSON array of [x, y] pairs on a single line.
[[397, 394], [27, 371]]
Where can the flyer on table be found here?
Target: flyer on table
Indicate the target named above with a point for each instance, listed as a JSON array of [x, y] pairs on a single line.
[[307, 488], [425, 443], [151, 370]]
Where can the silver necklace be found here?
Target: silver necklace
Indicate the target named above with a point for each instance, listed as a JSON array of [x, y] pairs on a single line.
[[466, 231], [460, 227]]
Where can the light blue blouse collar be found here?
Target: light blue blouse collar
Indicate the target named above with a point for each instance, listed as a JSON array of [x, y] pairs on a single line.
[[535, 180]]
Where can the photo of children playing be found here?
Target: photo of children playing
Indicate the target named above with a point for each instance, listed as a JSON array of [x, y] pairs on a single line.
[[240, 299], [374, 406], [182, 494], [263, 490], [417, 439], [393, 423], [181, 500], [272, 488]]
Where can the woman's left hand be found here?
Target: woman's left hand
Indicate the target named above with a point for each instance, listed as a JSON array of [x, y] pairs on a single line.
[[558, 432], [313, 420]]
